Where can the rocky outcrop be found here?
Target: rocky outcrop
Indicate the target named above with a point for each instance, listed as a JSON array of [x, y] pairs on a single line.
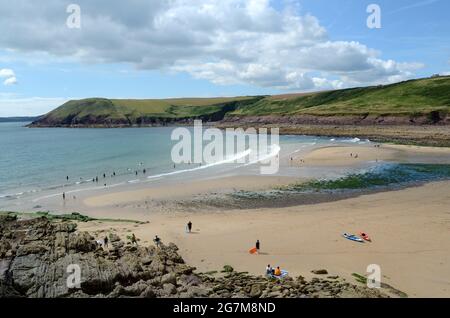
[[40, 258]]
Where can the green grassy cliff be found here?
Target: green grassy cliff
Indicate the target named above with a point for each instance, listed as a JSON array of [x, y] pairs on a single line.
[[406, 98], [427, 98]]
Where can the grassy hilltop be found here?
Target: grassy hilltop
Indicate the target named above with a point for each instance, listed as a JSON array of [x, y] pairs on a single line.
[[127, 112], [406, 98], [428, 98]]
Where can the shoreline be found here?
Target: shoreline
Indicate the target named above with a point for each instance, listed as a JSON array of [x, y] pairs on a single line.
[[419, 135], [433, 135]]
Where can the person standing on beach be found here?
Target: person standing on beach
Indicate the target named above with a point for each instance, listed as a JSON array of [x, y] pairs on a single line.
[[257, 245], [189, 226], [64, 196], [133, 239], [67, 178], [157, 241], [106, 241]]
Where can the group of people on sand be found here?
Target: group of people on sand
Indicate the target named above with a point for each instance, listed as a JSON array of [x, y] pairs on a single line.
[[157, 239], [273, 271], [300, 160], [104, 242], [64, 196]]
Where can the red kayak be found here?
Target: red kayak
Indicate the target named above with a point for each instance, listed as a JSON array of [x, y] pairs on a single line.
[[365, 237]]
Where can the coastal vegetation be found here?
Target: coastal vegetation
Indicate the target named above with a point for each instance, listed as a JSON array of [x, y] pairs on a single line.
[[415, 97], [74, 217], [397, 174], [422, 100]]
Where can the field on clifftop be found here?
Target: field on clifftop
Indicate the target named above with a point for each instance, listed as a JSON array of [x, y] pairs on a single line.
[[406, 98], [429, 98]]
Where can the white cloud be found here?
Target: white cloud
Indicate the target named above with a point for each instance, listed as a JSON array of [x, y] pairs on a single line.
[[9, 76], [225, 42], [10, 81], [14, 105], [6, 72]]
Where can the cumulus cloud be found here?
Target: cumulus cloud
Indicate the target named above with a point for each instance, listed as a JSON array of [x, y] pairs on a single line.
[[225, 42], [8, 75]]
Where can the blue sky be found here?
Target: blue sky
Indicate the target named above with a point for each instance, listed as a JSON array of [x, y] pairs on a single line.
[[212, 48]]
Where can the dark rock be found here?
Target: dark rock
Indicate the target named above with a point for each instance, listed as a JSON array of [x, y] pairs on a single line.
[[39, 257], [169, 289], [256, 291]]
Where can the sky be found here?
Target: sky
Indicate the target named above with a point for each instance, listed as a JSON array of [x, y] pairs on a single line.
[[182, 48]]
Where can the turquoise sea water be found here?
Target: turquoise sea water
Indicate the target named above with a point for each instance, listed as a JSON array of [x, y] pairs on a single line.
[[42, 158], [34, 162], [39, 159]]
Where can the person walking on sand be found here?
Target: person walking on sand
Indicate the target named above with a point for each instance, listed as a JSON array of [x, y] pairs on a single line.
[[105, 241], [133, 239], [257, 245], [189, 226], [157, 241]]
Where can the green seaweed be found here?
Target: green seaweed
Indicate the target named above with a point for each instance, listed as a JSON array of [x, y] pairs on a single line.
[[394, 174], [74, 216]]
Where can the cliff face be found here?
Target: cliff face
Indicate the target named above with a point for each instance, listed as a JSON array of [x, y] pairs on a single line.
[[433, 118], [35, 256]]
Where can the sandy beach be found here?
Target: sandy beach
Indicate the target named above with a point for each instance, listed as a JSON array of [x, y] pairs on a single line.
[[188, 189], [347, 156], [409, 227], [410, 238]]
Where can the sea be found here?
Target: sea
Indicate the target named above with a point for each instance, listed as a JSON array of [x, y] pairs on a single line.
[[45, 162]]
